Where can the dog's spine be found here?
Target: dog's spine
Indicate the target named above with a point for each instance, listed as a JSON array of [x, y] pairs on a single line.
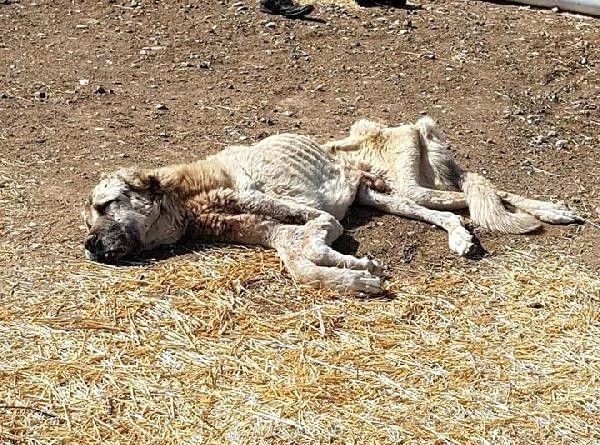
[[485, 206]]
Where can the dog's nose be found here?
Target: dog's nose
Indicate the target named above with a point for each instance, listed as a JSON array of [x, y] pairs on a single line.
[[93, 244]]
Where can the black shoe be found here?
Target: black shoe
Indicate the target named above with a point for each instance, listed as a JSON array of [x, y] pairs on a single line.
[[285, 8], [395, 3]]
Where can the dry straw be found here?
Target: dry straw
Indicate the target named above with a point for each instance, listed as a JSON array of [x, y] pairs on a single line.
[[224, 348]]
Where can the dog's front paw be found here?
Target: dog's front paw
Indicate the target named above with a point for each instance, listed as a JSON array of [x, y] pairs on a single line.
[[375, 268], [360, 282]]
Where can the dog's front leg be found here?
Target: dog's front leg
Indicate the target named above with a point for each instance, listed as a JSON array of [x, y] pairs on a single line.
[[285, 211], [304, 249]]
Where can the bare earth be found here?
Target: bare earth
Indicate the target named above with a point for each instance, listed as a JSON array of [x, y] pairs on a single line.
[[86, 87]]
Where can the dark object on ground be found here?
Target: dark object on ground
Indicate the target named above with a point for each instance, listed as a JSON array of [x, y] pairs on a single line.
[[285, 8]]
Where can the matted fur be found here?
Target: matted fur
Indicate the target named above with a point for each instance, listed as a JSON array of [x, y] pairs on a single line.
[[288, 192]]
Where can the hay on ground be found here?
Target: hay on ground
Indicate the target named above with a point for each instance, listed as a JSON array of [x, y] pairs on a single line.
[[224, 348]]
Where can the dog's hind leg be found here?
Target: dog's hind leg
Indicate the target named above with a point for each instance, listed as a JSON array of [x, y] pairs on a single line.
[[434, 199], [460, 239], [545, 211], [351, 143]]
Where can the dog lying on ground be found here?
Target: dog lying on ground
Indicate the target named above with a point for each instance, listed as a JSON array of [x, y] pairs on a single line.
[[287, 192]]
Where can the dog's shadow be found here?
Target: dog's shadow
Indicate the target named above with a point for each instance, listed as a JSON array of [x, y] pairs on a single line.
[[359, 216], [163, 253]]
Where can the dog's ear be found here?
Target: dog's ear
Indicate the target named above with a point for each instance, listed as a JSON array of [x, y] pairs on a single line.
[[153, 183]]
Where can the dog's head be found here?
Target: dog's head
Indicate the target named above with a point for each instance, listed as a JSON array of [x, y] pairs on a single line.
[[125, 214]]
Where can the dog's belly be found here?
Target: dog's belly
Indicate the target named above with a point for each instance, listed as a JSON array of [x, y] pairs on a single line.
[[295, 168]]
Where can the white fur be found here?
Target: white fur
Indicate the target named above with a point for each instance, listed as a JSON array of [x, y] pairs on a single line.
[[287, 192]]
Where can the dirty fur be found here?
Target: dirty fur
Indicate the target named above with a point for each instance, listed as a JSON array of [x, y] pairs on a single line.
[[284, 192]]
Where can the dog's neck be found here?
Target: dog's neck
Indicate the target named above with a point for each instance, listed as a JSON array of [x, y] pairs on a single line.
[[189, 180], [198, 195]]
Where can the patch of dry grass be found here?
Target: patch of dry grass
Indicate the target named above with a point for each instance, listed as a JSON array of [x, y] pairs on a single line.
[[226, 349]]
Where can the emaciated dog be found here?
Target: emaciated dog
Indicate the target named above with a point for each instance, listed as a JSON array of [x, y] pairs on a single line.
[[288, 192]]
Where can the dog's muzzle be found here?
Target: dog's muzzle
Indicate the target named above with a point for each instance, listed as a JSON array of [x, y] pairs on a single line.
[[110, 243]]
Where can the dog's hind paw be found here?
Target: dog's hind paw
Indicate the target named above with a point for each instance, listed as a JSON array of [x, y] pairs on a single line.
[[557, 216], [460, 241]]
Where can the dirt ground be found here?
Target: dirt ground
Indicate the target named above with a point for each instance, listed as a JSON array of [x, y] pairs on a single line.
[[89, 86]]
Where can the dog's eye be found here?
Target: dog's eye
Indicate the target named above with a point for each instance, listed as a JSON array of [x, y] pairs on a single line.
[[102, 208]]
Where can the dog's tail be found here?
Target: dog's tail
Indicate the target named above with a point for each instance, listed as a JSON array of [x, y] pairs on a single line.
[[485, 206], [487, 209]]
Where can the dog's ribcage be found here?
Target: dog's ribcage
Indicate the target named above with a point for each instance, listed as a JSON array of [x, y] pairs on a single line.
[[293, 167]]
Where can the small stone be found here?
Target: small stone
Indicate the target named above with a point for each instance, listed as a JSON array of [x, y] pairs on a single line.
[[538, 140], [101, 90], [161, 109], [551, 133], [271, 25], [40, 95], [561, 143]]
